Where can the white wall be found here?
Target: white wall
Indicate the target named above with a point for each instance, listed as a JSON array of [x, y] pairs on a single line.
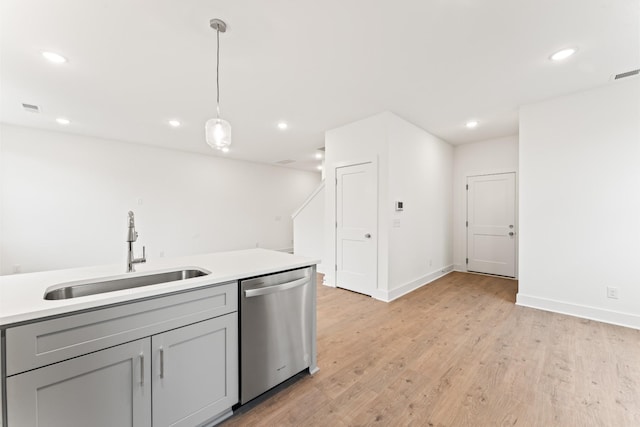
[[420, 237], [65, 200], [580, 203], [308, 227], [479, 158], [412, 166], [358, 142]]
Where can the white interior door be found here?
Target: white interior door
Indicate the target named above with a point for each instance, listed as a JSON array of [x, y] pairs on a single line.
[[491, 232], [356, 228]]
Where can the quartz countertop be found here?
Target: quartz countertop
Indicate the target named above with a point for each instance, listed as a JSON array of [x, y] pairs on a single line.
[[22, 295]]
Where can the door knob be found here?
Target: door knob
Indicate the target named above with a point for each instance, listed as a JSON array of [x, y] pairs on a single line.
[[511, 233], [368, 236], [511, 226]]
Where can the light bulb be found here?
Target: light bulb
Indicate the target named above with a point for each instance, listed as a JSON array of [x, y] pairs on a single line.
[[218, 133]]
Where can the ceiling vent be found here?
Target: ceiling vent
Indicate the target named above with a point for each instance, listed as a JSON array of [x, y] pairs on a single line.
[[31, 108], [627, 74], [285, 162]]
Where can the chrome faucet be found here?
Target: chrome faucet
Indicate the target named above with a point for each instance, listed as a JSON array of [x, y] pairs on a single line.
[[132, 236]]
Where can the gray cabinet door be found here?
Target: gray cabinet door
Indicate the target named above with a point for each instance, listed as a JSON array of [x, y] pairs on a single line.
[[107, 388], [195, 372]]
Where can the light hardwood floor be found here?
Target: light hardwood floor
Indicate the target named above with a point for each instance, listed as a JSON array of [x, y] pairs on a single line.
[[458, 352]]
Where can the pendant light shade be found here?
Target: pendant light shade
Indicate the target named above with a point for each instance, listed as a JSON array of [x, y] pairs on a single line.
[[218, 131]]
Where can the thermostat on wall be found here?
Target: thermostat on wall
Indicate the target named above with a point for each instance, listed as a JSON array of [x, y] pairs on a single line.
[[399, 206]]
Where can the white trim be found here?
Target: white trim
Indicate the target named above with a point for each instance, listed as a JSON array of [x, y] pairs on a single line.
[[388, 296], [583, 311], [308, 200], [497, 171], [325, 283], [460, 267]]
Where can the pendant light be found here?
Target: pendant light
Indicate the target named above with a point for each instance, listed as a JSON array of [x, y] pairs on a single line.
[[218, 131]]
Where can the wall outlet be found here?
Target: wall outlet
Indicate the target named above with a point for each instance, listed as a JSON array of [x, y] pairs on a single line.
[[612, 292]]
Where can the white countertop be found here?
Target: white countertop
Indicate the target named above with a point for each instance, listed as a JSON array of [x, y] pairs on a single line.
[[22, 295]]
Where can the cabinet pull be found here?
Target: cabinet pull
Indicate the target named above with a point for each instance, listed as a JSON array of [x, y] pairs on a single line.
[[141, 368], [161, 362]]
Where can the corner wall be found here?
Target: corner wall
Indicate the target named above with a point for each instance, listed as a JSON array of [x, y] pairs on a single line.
[[358, 142], [308, 228], [498, 155], [413, 166], [65, 200], [580, 203], [420, 237]]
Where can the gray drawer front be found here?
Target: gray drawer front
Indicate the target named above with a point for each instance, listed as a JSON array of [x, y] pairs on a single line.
[[42, 343]]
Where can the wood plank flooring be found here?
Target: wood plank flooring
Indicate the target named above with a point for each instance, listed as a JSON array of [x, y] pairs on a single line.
[[458, 352]]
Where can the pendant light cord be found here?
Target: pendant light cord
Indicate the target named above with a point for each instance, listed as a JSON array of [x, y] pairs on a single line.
[[218, 71]]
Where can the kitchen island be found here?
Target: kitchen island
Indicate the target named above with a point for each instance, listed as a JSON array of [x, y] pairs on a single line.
[[165, 354]]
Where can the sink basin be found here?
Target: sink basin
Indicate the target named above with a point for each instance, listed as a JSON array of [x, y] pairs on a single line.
[[99, 286]]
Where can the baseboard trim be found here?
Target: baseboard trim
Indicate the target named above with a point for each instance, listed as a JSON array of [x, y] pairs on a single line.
[[325, 283], [627, 320], [388, 296], [460, 267]]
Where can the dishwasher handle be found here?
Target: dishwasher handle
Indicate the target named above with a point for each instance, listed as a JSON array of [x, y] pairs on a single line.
[[275, 288]]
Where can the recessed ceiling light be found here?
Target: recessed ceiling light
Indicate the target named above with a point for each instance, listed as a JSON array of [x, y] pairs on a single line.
[[282, 125], [319, 167], [174, 123], [225, 149], [63, 121], [471, 124], [54, 57], [318, 155], [563, 54]]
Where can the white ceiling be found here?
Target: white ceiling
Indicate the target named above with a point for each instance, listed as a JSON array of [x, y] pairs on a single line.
[[135, 64]]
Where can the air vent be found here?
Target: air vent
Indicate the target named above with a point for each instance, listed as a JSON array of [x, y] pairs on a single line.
[[285, 162], [627, 74], [31, 108]]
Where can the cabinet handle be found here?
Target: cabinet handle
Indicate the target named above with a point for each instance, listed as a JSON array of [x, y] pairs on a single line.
[[141, 368], [161, 362]]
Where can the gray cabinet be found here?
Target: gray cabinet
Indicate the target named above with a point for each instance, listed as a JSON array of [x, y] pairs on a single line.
[[107, 388], [169, 361], [195, 371]]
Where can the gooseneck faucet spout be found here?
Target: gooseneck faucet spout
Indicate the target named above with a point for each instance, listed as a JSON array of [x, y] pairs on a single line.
[[132, 236]]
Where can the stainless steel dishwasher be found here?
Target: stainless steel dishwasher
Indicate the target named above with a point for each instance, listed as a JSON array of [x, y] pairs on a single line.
[[277, 323]]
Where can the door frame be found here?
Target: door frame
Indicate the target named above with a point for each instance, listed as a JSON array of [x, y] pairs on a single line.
[[335, 167], [516, 219]]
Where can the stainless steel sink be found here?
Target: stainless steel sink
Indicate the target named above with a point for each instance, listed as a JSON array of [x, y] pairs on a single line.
[[99, 286]]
